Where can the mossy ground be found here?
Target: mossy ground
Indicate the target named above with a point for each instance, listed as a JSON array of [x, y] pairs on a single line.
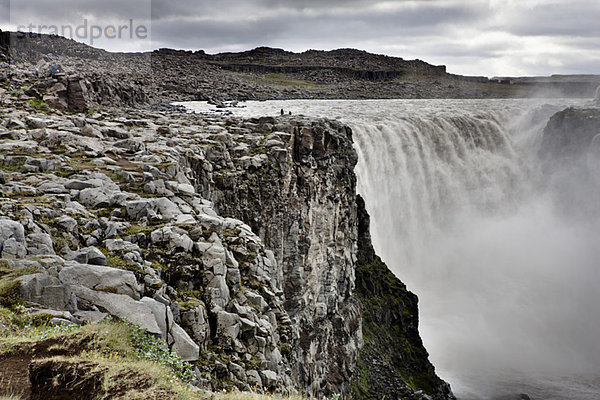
[[108, 351], [107, 360]]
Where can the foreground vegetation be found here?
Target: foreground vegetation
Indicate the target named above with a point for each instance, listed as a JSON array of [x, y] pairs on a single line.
[[108, 360]]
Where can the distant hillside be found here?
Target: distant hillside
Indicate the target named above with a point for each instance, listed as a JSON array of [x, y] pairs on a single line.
[[265, 73]]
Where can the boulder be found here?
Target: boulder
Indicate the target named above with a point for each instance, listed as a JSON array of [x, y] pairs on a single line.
[[196, 322], [183, 344], [67, 223], [88, 255], [97, 197], [121, 306], [101, 278], [76, 184], [48, 291], [173, 334], [12, 239], [39, 244], [254, 379], [175, 238], [269, 379]]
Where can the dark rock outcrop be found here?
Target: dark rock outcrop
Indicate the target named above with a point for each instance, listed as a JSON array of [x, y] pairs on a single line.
[[569, 133], [393, 363], [570, 155]]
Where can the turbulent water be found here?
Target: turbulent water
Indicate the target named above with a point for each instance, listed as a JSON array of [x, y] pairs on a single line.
[[507, 275]]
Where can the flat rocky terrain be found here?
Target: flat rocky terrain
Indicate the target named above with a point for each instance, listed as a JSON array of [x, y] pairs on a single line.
[[266, 73]]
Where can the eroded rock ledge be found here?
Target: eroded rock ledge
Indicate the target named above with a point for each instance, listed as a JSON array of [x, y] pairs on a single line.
[[236, 241]]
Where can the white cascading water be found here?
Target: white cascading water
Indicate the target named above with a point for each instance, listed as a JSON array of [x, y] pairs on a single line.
[[508, 279]]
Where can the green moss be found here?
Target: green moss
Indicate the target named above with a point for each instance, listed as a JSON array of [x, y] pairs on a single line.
[[62, 242], [10, 293], [285, 349], [10, 288], [39, 105], [16, 92], [137, 229], [190, 299], [231, 232], [393, 361], [114, 261]]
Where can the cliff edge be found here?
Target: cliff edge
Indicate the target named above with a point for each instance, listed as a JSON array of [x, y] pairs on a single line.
[[239, 244]]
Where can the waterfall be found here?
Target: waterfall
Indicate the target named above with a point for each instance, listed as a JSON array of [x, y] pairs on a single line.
[[507, 282], [504, 259]]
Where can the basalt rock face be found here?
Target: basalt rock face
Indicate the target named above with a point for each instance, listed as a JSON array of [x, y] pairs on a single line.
[[393, 363], [299, 196]]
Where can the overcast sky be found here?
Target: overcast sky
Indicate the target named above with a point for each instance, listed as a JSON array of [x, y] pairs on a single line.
[[473, 37]]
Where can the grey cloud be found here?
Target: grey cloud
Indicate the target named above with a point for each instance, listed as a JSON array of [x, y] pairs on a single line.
[[348, 28], [572, 18], [4, 11], [447, 32], [64, 11]]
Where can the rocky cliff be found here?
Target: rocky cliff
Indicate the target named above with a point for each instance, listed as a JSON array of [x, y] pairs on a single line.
[[298, 194], [240, 243]]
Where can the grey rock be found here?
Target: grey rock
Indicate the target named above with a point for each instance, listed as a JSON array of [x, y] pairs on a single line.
[[12, 239], [52, 188], [269, 379], [257, 300], [254, 379], [237, 370], [121, 245], [196, 322], [78, 185], [88, 255], [102, 279], [90, 316], [163, 315], [47, 291], [12, 248], [67, 223], [60, 322], [167, 208], [96, 197], [39, 244], [36, 123], [175, 238], [183, 344], [121, 306], [217, 290], [228, 328]]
